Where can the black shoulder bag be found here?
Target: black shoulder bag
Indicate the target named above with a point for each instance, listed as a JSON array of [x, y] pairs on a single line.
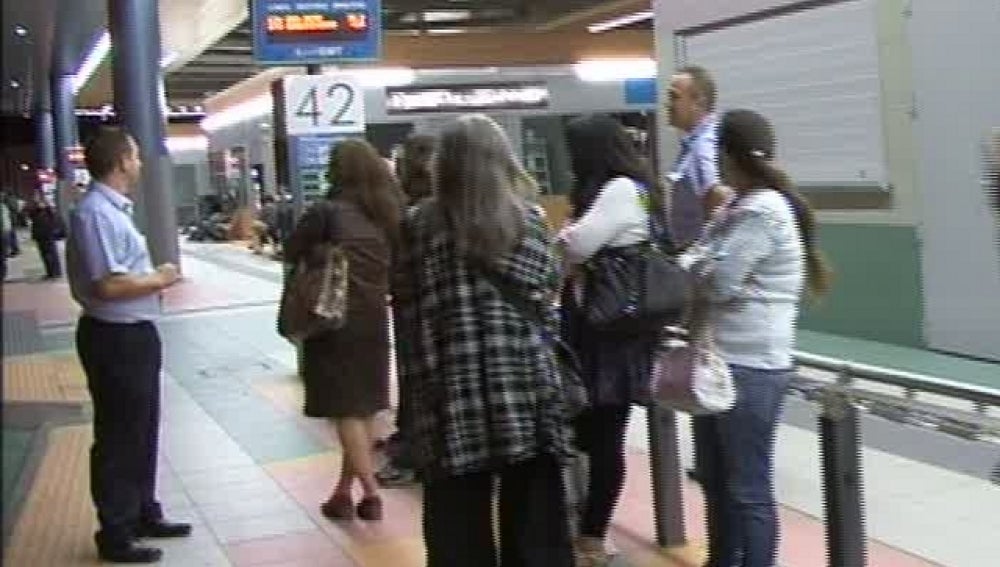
[[636, 289]]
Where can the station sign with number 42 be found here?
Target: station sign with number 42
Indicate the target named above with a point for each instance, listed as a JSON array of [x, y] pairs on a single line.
[[323, 104]]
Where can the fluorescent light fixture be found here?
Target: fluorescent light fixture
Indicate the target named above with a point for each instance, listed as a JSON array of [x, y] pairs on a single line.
[[620, 21], [15, 84], [598, 70], [168, 59], [94, 58], [378, 77], [447, 31], [20, 31], [250, 110], [187, 143], [438, 16]]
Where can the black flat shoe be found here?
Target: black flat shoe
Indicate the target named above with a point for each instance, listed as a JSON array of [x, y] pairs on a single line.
[[129, 554], [163, 529]]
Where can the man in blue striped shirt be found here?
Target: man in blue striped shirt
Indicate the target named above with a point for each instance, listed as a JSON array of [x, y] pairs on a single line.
[[112, 277], [696, 189]]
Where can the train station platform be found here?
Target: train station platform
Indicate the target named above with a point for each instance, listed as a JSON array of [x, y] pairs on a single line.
[[241, 463]]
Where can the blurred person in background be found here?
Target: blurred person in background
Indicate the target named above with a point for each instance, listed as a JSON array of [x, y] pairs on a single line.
[[413, 170]]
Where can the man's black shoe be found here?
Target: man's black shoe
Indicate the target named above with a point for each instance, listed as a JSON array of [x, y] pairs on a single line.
[[129, 553], [162, 528]]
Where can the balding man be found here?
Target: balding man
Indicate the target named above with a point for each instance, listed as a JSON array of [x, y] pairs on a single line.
[[697, 189]]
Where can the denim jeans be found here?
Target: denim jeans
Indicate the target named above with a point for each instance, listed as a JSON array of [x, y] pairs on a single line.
[[734, 454]]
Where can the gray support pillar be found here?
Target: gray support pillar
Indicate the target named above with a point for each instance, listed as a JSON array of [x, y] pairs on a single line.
[[66, 136], [45, 143], [135, 35]]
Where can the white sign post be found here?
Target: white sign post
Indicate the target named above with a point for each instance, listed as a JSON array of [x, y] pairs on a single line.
[[323, 104]]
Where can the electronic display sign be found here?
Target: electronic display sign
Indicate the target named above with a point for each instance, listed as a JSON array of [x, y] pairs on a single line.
[[287, 32], [464, 98]]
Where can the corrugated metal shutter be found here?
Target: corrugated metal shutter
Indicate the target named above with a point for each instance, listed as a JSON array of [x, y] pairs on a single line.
[[815, 74]]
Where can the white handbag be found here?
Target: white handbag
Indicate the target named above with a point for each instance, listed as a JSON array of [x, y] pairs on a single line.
[[688, 373]]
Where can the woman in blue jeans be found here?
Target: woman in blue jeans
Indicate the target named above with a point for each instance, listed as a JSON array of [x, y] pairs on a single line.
[[754, 259]]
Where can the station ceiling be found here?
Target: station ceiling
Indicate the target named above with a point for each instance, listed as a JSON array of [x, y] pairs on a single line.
[[207, 44]]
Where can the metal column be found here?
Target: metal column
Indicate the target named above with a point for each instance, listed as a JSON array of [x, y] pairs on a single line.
[[135, 34], [840, 441], [668, 496], [66, 136], [45, 144]]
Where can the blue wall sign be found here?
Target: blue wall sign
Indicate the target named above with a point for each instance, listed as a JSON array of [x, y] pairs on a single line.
[[288, 32], [640, 91]]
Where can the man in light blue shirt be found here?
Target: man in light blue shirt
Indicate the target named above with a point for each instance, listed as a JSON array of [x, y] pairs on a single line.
[[696, 189], [112, 277]]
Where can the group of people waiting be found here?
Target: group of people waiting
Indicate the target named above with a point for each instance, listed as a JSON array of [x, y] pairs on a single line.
[[480, 288], [482, 413]]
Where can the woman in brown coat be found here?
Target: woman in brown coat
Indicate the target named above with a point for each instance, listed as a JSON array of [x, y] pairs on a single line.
[[347, 371]]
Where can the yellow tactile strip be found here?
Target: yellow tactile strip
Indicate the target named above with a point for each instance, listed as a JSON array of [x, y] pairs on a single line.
[[44, 378], [57, 521]]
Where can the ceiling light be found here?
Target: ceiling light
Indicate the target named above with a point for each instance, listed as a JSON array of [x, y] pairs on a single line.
[[25, 167], [249, 110], [94, 58], [597, 70], [20, 31], [378, 77], [447, 31], [187, 143], [15, 84], [446, 15], [620, 21], [168, 59]]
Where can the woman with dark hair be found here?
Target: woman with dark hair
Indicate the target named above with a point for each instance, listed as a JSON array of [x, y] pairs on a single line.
[[413, 167], [489, 416], [413, 170], [615, 202], [752, 263], [346, 371]]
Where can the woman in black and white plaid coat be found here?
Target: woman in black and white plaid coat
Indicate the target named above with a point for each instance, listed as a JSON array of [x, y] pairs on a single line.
[[478, 373]]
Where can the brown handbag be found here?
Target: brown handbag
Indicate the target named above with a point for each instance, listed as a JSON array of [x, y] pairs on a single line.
[[314, 299]]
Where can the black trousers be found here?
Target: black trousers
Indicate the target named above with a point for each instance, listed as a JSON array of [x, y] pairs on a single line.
[[49, 252], [600, 434], [122, 363], [534, 528]]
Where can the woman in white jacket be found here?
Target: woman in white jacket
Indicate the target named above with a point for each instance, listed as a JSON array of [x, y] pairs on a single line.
[[752, 263]]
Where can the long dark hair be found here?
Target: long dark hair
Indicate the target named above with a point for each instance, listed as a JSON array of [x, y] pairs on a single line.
[[601, 149], [358, 174], [747, 138], [413, 168], [481, 188]]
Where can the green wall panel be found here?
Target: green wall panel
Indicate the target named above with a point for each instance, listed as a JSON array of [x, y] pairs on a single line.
[[877, 292]]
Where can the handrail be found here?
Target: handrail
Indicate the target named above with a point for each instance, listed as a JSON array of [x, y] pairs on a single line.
[[910, 380]]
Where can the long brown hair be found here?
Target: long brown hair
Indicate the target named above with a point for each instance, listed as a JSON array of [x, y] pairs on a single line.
[[481, 189], [358, 174], [748, 139]]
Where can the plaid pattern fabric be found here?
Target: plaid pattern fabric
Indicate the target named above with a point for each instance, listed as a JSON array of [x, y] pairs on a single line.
[[479, 377]]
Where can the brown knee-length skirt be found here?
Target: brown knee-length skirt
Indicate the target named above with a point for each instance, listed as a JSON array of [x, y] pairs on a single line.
[[346, 376]]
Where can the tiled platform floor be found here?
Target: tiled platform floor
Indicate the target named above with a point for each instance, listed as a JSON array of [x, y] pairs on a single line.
[[240, 462]]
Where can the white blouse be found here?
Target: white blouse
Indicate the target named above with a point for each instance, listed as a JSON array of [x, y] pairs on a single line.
[[616, 218]]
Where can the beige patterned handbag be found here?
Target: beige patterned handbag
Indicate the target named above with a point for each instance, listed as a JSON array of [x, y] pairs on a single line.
[[314, 299]]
